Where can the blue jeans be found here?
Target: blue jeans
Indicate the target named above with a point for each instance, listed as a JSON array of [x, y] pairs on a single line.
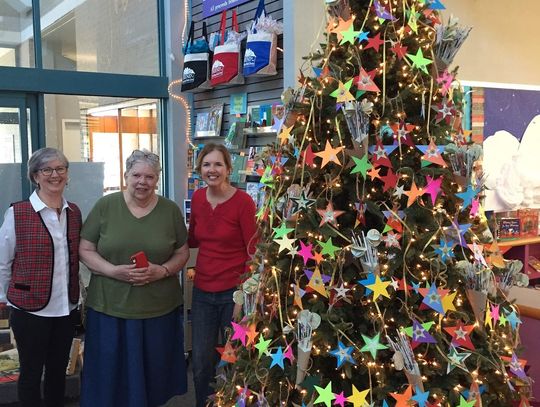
[[211, 313]]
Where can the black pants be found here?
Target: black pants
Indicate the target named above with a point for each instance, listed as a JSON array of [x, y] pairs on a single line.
[[42, 342]]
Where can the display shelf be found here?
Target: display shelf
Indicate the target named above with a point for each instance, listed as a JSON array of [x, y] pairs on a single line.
[[522, 249], [519, 242]]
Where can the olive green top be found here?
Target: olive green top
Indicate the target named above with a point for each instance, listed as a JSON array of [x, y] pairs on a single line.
[[118, 235]]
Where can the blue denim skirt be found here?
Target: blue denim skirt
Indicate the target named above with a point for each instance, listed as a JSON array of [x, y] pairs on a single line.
[[132, 362]]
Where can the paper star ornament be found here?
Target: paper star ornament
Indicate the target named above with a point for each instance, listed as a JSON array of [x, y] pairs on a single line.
[[342, 93], [364, 82], [329, 154], [403, 399], [358, 398], [329, 215], [379, 288], [343, 354], [372, 345], [419, 61], [325, 394]]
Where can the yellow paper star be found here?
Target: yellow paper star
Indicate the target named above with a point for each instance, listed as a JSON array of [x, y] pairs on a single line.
[[316, 283], [342, 93], [358, 398], [379, 288], [448, 302], [285, 135], [329, 154]]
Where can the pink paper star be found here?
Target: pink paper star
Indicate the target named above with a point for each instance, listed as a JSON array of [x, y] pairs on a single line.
[[340, 399], [240, 333], [306, 251], [475, 205], [494, 312], [433, 188]]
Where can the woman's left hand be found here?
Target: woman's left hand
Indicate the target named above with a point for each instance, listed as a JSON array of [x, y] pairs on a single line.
[[146, 275]]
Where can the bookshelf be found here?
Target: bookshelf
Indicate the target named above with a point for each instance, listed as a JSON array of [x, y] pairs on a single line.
[[522, 249]]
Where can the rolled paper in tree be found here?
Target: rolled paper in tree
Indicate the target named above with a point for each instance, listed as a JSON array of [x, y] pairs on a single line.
[[307, 322], [415, 380], [302, 361], [478, 299]]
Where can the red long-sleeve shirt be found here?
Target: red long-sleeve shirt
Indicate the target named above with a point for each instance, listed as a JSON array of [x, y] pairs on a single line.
[[226, 237]]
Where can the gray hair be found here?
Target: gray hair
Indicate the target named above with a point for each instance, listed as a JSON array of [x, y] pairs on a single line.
[[40, 158], [143, 156]]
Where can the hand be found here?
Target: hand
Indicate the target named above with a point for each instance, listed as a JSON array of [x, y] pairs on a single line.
[[190, 274], [146, 275]]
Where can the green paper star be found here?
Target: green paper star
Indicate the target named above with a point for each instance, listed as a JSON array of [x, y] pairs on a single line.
[[325, 395], [262, 345], [349, 35], [372, 345], [362, 165], [282, 230], [502, 320], [465, 403], [328, 248], [419, 61]]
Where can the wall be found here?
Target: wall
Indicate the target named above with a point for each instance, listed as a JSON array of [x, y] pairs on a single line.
[[260, 90], [501, 47]]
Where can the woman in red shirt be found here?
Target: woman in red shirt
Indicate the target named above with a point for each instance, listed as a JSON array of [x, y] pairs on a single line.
[[223, 226]]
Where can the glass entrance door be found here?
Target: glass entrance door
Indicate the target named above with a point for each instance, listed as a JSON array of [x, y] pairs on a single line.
[[17, 118]]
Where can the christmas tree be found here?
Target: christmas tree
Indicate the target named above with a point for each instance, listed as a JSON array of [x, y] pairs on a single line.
[[376, 280]]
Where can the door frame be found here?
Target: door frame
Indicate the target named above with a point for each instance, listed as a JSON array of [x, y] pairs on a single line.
[[26, 103]]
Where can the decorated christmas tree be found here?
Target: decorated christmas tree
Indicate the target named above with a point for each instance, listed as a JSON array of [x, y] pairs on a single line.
[[376, 280]]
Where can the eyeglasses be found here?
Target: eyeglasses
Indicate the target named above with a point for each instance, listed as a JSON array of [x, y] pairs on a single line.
[[149, 155], [47, 171]]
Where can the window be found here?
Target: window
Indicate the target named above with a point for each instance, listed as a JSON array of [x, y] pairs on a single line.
[[16, 34], [100, 36], [97, 134]]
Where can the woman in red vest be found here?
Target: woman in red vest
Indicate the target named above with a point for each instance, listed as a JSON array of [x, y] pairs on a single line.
[[223, 226], [39, 278]]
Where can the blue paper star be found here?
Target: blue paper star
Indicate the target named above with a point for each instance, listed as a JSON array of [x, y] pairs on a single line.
[[467, 392], [445, 249], [468, 195], [513, 319], [433, 300], [343, 354], [277, 358], [416, 287], [420, 397], [436, 5], [363, 36], [369, 280], [317, 71]]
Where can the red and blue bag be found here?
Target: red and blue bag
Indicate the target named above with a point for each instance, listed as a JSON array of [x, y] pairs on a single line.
[[260, 58]]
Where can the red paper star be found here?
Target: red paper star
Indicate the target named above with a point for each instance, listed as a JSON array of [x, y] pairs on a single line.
[[399, 50], [308, 156], [374, 42], [390, 180], [460, 335]]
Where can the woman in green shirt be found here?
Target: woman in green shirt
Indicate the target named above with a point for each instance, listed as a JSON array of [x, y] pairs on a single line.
[[134, 354]]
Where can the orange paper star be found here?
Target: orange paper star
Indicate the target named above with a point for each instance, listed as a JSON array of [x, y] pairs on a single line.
[[329, 154], [413, 193], [329, 215]]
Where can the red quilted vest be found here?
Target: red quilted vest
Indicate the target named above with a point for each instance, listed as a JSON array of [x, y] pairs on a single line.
[[32, 268]]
